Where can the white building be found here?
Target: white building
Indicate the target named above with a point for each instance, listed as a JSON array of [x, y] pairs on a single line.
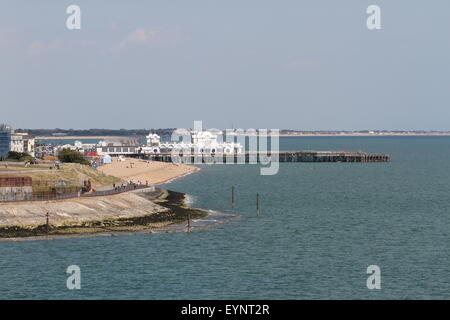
[[23, 143], [78, 146], [200, 142], [16, 143]]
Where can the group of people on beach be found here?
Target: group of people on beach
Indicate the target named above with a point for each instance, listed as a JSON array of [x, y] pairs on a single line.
[[130, 185]]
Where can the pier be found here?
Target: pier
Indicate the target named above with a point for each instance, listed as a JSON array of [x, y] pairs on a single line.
[[283, 156]]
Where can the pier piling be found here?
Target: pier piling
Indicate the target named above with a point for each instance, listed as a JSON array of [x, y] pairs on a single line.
[[47, 223], [189, 223], [232, 195], [257, 204]]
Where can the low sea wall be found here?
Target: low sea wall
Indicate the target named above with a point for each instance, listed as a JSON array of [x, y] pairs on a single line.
[[16, 193], [13, 188], [145, 211], [77, 210]]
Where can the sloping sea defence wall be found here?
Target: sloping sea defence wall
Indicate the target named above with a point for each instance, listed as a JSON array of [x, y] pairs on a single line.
[[132, 211]]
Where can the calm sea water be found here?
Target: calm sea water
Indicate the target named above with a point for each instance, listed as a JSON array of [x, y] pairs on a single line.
[[321, 226]]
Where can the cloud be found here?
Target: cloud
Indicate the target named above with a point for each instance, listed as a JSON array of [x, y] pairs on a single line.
[[302, 64], [154, 37], [23, 41], [9, 38], [144, 36], [38, 47]]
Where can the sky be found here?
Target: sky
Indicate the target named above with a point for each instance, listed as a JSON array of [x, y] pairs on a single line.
[[288, 64]]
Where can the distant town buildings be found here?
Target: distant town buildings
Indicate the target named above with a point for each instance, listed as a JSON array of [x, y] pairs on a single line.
[[203, 142]]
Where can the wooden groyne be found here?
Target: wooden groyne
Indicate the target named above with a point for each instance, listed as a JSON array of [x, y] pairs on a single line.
[[285, 156]]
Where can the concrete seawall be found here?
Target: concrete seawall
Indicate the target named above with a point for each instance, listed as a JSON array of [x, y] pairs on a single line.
[[77, 210], [142, 211]]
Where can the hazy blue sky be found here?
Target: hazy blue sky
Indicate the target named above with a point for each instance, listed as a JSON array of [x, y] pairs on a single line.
[[249, 63]]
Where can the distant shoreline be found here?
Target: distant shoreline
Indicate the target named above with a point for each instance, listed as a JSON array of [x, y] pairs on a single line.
[[79, 137], [360, 134], [313, 134]]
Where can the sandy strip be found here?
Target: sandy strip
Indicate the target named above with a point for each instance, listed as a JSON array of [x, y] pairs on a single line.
[[138, 170]]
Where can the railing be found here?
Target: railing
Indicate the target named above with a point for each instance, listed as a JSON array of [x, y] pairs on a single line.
[[117, 190], [62, 196]]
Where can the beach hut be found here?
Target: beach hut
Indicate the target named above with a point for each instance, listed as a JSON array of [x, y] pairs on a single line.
[[107, 159]]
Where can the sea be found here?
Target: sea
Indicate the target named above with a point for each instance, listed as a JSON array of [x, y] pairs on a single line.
[[319, 229]]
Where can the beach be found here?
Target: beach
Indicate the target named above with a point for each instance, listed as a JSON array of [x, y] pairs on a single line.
[[144, 171]]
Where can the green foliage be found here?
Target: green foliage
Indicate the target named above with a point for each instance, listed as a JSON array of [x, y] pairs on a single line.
[[19, 156], [13, 155], [67, 155]]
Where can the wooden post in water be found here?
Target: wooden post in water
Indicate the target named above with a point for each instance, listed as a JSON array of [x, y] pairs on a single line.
[[257, 204], [232, 195], [189, 223], [46, 223]]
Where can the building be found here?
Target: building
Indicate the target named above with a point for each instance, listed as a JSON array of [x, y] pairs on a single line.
[[200, 142], [29, 146], [16, 144], [16, 188], [77, 146], [122, 146], [118, 150], [5, 140], [107, 159], [24, 143], [15, 141]]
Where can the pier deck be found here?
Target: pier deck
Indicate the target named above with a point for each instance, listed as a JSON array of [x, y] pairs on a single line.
[[283, 156]]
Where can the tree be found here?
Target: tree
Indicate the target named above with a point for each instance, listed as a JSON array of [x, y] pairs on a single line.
[[67, 155], [19, 156], [13, 155]]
